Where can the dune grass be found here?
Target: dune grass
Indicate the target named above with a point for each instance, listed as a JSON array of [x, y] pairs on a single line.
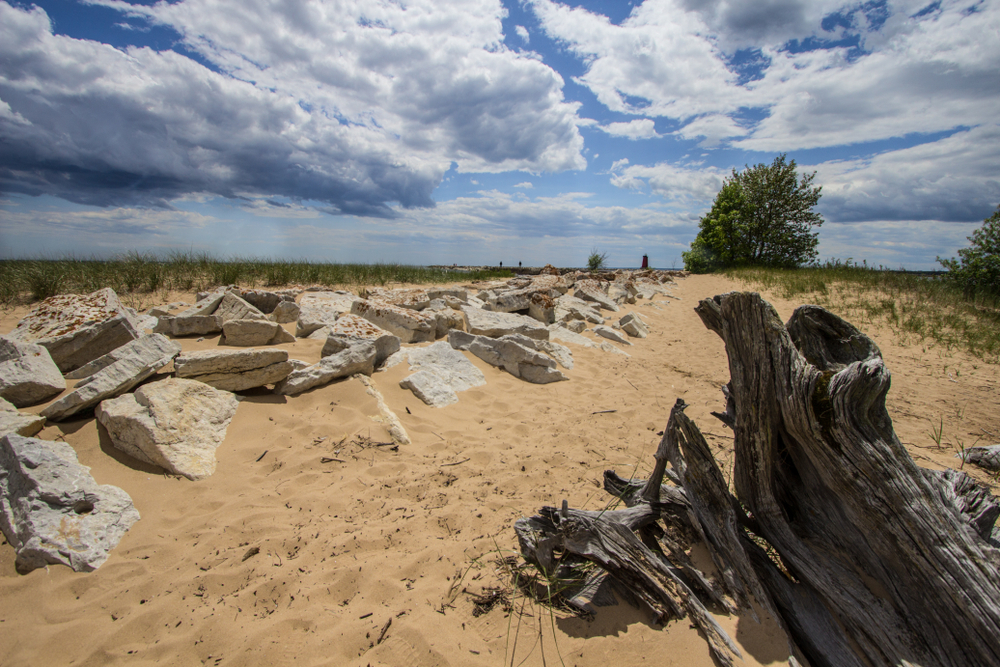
[[29, 280], [915, 307]]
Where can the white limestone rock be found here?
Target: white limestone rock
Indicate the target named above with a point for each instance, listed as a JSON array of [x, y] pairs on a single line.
[[18, 423], [51, 509], [267, 302], [285, 312], [77, 329], [445, 316], [633, 325], [591, 290], [175, 424], [350, 330], [357, 359], [565, 335], [410, 325], [141, 359], [542, 307], [611, 334], [232, 307], [414, 299], [195, 321], [235, 370], [511, 354], [321, 309], [570, 308], [493, 325], [248, 333], [28, 376], [441, 372], [608, 347]]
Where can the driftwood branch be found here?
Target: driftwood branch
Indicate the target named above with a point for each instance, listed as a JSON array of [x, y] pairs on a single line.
[[861, 556]]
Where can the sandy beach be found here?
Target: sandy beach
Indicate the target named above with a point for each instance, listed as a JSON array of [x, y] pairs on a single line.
[[317, 543]]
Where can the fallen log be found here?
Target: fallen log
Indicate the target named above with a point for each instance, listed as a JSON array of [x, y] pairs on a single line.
[[862, 557]]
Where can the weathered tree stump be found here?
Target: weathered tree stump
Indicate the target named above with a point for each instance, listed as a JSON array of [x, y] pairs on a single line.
[[860, 555]]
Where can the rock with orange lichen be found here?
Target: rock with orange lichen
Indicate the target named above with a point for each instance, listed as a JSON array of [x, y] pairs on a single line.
[[78, 328]]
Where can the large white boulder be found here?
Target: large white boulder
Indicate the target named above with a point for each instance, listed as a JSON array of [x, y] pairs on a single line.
[[77, 328], [410, 325], [350, 330], [234, 370], [175, 424], [137, 362], [251, 332], [51, 509], [320, 309], [441, 372], [493, 324], [510, 353], [28, 375], [357, 359], [570, 308]]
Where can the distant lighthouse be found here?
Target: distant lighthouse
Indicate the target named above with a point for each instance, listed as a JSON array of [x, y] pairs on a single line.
[[645, 261]]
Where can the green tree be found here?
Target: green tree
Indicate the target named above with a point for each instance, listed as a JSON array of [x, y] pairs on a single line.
[[762, 216], [977, 270], [596, 260]]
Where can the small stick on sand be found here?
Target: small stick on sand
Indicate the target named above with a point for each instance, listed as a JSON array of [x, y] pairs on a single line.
[[444, 465]]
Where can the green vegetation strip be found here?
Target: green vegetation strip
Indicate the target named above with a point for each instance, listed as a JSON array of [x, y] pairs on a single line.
[[914, 307], [24, 280]]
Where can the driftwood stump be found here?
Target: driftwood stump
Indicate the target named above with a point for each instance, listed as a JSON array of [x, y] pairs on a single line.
[[860, 555]]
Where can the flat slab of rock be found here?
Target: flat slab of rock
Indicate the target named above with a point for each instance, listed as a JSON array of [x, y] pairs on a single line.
[[76, 329], [321, 309], [493, 325], [410, 325], [28, 376], [176, 424], [510, 353], [139, 361], [18, 423], [611, 334], [248, 333], [51, 509], [441, 372], [234, 370], [357, 359], [567, 336], [351, 329]]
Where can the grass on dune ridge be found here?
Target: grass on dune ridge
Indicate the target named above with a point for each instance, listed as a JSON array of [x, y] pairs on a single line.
[[135, 274], [915, 307]]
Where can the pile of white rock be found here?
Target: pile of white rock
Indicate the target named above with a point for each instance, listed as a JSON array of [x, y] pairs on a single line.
[[176, 422]]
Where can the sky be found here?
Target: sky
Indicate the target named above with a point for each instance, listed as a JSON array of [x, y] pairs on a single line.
[[486, 131]]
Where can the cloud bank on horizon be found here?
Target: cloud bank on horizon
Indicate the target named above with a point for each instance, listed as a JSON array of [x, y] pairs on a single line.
[[434, 131]]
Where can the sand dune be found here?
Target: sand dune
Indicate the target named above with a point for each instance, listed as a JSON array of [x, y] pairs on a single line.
[[312, 535]]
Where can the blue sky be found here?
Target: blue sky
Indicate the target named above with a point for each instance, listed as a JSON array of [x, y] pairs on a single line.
[[481, 131]]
